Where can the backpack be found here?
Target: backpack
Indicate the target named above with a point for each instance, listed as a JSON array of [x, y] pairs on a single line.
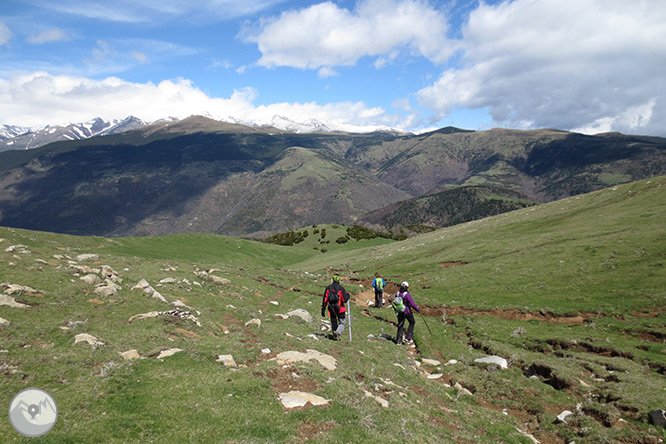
[[334, 297], [398, 303], [379, 284]]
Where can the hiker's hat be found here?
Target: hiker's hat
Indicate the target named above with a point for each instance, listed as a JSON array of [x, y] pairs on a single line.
[[405, 284]]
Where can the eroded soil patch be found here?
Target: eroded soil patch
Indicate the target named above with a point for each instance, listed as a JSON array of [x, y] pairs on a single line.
[[512, 314]]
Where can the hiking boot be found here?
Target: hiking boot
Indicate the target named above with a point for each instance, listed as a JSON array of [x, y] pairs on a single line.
[[336, 337]]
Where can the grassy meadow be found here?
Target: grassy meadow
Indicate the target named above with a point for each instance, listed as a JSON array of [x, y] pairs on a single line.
[[570, 293]]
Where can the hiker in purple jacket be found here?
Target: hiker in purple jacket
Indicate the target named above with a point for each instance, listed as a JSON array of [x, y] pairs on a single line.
[[406, 314]]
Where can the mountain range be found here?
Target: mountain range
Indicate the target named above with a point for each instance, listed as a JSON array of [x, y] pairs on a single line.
[[202, 175]]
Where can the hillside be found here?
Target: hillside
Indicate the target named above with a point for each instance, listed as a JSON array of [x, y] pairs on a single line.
[[201, 175], [199, 337]]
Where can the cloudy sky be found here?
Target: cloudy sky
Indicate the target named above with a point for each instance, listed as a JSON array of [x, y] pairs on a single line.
[[584, 65]]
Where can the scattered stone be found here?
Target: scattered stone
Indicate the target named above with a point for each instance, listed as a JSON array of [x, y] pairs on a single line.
[[452, 362], [87, 257], [435, 376], [658, 418], [496, 360], [528, 436], [182, 314], [518, 332], [274, 302], [265, 350], [462, 390], [313, 336], [254, 321], [300, 313], [433, 362], [562, 417], [16, 248], [11, 289], [166, 353], [207, 276], [281, 316], [11, 302], [227, 360], [291, 357], [297, 398], [107, 288], [168, 281], [88, 339], [144, 286], [4, 322], [90, 279], [383, 402], [130, 354]]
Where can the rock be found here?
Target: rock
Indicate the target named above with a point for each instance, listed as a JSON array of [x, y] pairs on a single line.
[[182, 314], [108, 288], [87, 257], [90, 279], [265, 350], [435, 376], [562, 417], [11, 302], [300, 313], [518, 332], [462, 390], [274, 302], [433, 362], [227, 360], [383, 402], [130, 354], [4, 322], [313, 336], [291, 357], [88, 339], [142, 285], [493, 360], [657, 417], [254, 321], [297, 398], [451, 362], [168, 281], [166, 353], [11, 289]]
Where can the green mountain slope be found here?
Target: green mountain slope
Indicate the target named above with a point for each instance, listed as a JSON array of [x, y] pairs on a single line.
[[199, 175], [570, 293]]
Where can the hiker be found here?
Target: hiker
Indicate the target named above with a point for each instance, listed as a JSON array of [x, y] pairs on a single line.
[[335, 297], [403, 304], [378, 284]]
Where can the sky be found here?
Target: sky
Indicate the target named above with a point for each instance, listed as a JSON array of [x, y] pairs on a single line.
[[589, 66]]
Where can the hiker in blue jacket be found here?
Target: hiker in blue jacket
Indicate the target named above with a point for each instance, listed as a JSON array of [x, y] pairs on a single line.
[[378, 284], [334, 298], [403, 304]]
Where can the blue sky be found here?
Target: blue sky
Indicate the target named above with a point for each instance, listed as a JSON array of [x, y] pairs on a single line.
[[583, 65]]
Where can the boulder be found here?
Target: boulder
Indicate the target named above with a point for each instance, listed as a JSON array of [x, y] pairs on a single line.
[[130, 354], [254, 321], [291, 357], [496, 360], [90, 279], [88, 339], [433, 362], [166, 353], [300, 313], [11, 302], [295, 398], [87, 257], [562, 417], [227, 360]]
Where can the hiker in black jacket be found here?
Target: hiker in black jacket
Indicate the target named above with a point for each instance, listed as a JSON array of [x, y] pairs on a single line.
[[334, 298]]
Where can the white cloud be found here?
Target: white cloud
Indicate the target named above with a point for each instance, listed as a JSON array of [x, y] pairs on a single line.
[[38, 98], [145, 11], [566, 64], [5, 34], [50, 35], [325, 35]]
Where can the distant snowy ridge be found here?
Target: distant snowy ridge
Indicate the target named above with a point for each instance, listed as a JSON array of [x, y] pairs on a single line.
[[22, 138]]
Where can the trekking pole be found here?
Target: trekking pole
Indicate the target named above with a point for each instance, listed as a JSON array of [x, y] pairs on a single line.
[[349, 317], [426, 324]]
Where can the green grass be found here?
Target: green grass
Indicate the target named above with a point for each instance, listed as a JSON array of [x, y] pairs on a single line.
[[598, 256]]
